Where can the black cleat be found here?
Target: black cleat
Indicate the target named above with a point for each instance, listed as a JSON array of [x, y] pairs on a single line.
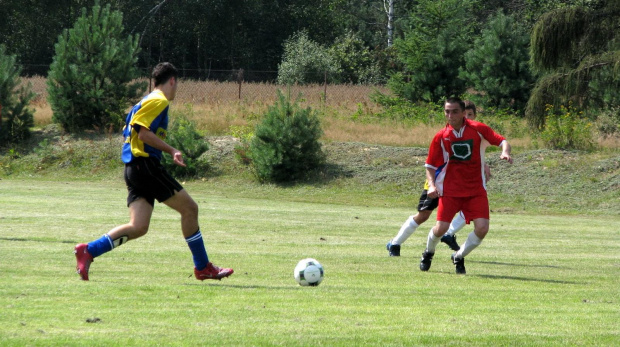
[[425, 262], [459, 264], [450, 240], [393, 249]]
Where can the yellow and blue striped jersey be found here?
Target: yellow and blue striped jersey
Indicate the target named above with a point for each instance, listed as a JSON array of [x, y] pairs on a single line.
[[150, 113]]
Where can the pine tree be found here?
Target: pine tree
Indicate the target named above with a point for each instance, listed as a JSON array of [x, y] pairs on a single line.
[[286, 146], [497, 65], [432, 51], [91, 81], [16, 118], [577, 52]]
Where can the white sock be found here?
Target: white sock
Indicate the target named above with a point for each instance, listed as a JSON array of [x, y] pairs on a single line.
[[457, 224], [472, 242], [431, 242], [405, 231]]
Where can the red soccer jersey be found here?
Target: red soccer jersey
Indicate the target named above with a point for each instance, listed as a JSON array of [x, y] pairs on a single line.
[[463, 156]]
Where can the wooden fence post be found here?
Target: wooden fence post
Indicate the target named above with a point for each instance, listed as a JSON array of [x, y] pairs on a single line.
[[240, 81]]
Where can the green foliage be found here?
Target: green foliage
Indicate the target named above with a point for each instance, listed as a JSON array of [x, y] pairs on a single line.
[[91, 80], [183, 136], [285, 146], [578, 50], [566, 129], [355, 60], [402, 109], [608, 122], [15, 116], [305, 61], [432, 51], [497, 65]]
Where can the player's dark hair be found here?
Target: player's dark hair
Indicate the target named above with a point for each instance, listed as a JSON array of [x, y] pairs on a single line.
[[162, 72], [456, 100], [470, 106]]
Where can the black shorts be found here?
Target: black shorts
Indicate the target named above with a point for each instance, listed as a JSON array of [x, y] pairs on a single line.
[[427, 203], [146, 178]]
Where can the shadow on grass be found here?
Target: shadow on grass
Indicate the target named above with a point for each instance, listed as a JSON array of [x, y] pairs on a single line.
[[35, 240], [526, 279], [236, 286], [513, 264]]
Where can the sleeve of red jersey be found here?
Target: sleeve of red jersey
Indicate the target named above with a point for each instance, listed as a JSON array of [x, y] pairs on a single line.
[[435, 153], [494, 138]]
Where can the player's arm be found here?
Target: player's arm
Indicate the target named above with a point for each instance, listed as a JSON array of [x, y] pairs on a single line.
[[506, 149], [496, 140], [147, 136], [430, 177], [433, 161], [487, 172]]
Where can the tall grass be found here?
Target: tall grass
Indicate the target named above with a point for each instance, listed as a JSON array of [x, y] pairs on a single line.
[[347, 112]]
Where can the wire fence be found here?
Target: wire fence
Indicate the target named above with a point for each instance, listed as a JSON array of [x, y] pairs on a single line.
[[225, 86]]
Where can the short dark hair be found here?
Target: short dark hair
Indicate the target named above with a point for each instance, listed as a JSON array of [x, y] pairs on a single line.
[[162, 72], [469, 105], [455, 100]]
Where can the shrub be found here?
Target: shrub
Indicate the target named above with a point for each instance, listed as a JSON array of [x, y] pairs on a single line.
[[183, 136], [497, 65], [286, 144], [90, 81], [565, 129], [608, 122], [15, 117], [305, 61]]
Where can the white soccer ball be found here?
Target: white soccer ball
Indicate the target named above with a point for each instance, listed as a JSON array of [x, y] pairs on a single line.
[[309, 272]]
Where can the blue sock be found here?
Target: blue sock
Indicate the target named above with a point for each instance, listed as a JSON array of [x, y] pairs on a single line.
[[100, 246], [197, 246]]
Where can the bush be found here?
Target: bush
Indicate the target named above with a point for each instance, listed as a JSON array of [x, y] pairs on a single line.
[[401, 109], [15, 117], [91, 80], [286, 144], [183, 136], [565, 129], [305, 61], [497, 65]]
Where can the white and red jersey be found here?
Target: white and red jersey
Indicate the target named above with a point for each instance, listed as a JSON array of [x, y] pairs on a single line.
[[458, 157]]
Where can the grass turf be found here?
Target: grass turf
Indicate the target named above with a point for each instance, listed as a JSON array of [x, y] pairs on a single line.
[[535, 280]]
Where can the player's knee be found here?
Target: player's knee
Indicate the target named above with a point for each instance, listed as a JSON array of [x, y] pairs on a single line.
[[481, 232], [190, 210], [421, 217], [139, 230]]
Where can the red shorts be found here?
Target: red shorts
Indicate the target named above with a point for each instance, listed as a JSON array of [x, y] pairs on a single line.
[[473, 207]]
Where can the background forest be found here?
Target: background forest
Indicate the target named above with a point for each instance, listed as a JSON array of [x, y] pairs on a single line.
[[537, 60]]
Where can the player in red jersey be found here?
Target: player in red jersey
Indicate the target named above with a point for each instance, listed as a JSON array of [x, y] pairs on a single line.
[[455, 172]]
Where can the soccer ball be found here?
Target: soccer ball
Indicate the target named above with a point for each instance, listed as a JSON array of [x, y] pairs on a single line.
[[308, 272]]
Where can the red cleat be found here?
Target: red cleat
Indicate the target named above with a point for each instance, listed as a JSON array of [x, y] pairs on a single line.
[[212, 272], [83, 260]]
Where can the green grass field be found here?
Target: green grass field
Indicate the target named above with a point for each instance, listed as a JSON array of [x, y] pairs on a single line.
[[535, 280]]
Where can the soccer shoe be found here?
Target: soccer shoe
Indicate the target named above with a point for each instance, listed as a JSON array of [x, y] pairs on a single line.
[[393, 249], [212, 272], [425, 262], [450, 240], [459, 264], [83, 260]]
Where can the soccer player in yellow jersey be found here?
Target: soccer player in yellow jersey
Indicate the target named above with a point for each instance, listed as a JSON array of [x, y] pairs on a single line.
[[147, 181]]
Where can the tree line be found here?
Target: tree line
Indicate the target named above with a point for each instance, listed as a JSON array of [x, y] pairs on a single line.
[[519, 55]]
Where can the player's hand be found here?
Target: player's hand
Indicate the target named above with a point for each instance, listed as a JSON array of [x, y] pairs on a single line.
[[432, 192], [177, 158], [507, 157]]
